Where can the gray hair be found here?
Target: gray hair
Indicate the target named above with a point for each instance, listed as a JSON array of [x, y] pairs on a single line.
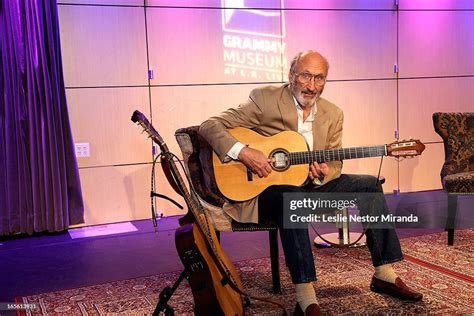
[[296, 59]]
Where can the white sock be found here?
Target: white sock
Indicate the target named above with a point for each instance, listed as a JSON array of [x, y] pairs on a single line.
[[305, 295], [385, 273]]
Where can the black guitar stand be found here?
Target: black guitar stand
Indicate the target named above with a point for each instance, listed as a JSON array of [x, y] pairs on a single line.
[[166, 294]]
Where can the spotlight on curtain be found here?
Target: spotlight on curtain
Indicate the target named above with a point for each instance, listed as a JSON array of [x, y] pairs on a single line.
[[39, 180]]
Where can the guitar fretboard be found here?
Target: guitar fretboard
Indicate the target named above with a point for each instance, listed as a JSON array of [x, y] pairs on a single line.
[[306, 157]]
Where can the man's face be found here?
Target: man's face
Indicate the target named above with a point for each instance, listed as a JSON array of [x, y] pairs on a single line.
[[307, 82]]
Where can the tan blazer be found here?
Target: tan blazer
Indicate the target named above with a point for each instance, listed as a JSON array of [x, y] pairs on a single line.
[[268, 111]]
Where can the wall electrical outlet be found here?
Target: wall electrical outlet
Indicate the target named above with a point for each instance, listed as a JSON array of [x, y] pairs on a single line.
[[82, 150]]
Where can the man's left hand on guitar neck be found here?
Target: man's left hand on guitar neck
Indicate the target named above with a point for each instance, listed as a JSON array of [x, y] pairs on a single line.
[[317, 172]]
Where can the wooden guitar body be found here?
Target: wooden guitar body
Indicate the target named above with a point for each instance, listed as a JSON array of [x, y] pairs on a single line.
[[232, 177], [210, 287]]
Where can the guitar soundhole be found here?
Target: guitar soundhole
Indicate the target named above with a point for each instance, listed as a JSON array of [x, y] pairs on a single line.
[[279, 159]]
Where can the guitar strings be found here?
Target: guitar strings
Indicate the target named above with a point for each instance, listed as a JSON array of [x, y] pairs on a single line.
[[336, 154]]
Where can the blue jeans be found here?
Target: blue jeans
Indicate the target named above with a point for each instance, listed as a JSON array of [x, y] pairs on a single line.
[[383, 244]]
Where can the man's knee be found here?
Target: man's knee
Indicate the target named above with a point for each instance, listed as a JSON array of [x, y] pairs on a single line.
[[274, 194], [369, 183]]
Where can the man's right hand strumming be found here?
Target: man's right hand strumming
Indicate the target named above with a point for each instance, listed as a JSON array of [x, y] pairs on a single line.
[[256, 161]]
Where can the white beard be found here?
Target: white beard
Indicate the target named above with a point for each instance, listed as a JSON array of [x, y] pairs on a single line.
[[305, 102]]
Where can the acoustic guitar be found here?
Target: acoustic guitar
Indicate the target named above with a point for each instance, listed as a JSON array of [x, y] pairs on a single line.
[[289, 158], [214, 282]]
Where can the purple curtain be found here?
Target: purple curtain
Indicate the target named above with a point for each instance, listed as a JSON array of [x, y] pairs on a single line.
[[39, 180]]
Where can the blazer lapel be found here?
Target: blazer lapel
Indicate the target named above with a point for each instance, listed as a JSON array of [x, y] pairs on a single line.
[[287, 108], [320, 129]]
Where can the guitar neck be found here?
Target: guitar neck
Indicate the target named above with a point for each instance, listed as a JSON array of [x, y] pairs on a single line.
[[194, 207], [306, 157], [188, 198]]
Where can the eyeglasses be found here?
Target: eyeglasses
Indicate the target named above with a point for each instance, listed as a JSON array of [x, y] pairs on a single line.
[[305, 77]]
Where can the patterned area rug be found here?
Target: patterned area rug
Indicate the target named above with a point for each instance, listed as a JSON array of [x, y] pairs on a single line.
[[443, 274]]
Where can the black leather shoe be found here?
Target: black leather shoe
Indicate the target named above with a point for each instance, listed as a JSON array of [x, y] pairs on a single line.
[[399, 289], [311, 310]]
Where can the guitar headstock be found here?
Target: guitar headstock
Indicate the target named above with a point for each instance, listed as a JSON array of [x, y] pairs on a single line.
[[405, 148], [140, 119]]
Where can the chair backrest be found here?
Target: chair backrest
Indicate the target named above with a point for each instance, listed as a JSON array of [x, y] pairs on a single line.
[[457, 132], [197, 155]]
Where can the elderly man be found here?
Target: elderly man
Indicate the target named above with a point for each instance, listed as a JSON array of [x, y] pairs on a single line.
[[298, 106]]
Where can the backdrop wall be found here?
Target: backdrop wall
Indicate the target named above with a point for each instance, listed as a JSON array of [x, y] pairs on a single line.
[[391, 67]]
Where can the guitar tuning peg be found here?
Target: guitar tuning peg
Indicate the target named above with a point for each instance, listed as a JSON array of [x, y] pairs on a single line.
[[142, 131], [410, 138]]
